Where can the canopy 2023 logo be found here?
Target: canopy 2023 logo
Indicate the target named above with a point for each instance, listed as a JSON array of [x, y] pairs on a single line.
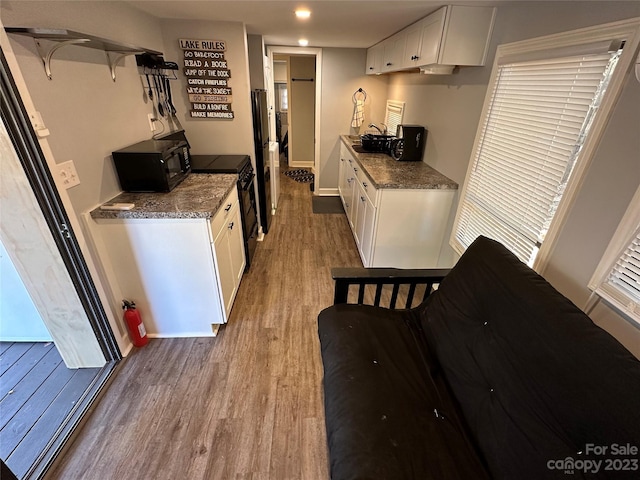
[[602, 458]]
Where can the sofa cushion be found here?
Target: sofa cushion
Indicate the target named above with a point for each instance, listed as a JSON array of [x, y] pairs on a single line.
[[381, 401], [538, 382]]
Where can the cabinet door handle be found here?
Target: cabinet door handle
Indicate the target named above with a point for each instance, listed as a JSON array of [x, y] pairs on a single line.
[[349, 160], [361, 198], [349, 180], [355, 170], [389, 64], [228, 208], [231, 226], [370, 68], [364, 184]]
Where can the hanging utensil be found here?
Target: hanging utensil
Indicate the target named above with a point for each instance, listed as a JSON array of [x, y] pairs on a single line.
[[150, 92], [165, 94], [157, 84], [172, 108]]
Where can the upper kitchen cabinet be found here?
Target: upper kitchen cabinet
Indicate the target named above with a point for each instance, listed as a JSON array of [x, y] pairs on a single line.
[[374, 59], [393, 51], [452, 36]]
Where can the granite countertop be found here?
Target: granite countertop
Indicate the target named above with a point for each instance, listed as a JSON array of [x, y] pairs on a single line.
[[198, 196], [385, 172]]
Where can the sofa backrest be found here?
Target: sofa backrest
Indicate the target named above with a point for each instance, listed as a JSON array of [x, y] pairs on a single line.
[[542, 388]]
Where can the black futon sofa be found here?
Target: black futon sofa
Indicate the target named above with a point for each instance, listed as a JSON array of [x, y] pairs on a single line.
[[494, 375]]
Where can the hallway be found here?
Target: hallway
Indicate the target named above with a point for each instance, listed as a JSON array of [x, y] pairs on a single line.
[[247, 404]]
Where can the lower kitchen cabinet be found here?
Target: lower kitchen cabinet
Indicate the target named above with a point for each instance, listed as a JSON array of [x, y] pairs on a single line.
[[228, 250], [393, 227], [182, 273]]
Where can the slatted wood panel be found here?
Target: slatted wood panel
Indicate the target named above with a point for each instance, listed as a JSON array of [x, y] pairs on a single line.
[[37, 393], [246, 404]]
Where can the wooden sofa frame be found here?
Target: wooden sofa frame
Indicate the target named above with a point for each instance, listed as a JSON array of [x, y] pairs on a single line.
[[380, 277]]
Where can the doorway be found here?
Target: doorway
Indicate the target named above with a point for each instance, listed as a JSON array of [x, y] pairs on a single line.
[[299, 89]]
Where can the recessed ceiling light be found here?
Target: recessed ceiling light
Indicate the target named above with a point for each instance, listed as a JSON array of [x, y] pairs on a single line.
[[303, 13], [303, 42]]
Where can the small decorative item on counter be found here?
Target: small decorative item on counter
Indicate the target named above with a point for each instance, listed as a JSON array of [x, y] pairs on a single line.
[[135, 327]]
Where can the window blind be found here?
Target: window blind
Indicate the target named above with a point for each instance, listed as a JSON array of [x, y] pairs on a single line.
[[538, 116], [625, 276], [617, 276], [394, 114]]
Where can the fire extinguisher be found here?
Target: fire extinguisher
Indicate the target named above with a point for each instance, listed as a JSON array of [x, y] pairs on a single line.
[[136, 329]]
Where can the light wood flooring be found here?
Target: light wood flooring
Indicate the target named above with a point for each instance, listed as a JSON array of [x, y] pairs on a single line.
[[246, 405]]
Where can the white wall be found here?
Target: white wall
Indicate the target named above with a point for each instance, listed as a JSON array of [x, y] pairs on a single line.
[[342, 74], [302, 101]]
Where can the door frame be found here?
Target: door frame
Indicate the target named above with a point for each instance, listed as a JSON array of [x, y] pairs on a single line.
[[67, 297], [317, 53]]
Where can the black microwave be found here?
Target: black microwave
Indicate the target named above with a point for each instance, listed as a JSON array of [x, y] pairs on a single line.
[[152, 165]]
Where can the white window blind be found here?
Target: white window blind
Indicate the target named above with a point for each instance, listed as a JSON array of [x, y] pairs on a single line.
[[394, 114], [624, 280], [538, 116], [617, 277]]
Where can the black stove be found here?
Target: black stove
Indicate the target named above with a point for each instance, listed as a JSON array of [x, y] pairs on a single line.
[[240, 164], [219, 163]]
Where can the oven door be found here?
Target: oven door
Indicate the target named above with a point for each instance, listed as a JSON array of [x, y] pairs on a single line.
[[249, 219]]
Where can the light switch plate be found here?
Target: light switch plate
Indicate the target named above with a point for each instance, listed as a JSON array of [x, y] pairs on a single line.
[[67, 174]]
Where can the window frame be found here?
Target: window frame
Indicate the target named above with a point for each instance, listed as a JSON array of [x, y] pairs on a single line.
[[627, 30], [624, 235]]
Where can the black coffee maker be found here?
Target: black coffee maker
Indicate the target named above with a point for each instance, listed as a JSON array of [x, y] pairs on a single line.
[[409, 144]]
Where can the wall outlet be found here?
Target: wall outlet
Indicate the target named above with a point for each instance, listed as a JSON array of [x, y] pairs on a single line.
[[152, 122], [67, 174]]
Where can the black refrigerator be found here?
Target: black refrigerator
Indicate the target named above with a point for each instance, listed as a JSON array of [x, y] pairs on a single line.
[[261, 145]]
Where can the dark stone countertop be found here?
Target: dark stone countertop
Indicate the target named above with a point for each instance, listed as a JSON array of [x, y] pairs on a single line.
[[198, 196], [385, 172]]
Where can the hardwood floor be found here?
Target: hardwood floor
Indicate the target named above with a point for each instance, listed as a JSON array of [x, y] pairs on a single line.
[[246, 405], [37, 394]]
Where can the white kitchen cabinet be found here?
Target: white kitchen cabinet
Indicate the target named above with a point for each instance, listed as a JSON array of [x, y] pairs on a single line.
[[394, 227], [454, 35], [228, 251], [182, 273], [410, 227], [346, 186], [430, 34], [374, 59], [364, 224], [393, 51]]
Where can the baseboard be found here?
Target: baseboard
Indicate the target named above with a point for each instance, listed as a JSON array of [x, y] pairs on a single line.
[[301, 164], [327, 192]]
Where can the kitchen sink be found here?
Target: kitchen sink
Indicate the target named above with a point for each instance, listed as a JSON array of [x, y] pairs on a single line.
[[354, 138], [358, 148]]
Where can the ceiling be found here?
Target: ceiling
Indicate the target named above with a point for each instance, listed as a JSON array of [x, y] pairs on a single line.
[[333, 23]]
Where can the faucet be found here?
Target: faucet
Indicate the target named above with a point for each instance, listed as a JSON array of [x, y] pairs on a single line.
[[382, 132]]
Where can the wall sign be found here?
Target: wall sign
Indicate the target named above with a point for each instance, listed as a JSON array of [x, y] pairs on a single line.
[[208, 77]]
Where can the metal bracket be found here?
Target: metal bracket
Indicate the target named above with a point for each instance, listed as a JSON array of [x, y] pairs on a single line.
[[115, 57], [46, 56]]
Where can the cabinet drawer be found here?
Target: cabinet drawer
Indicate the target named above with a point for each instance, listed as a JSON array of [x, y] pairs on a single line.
[[370, 191], [225, 214]]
